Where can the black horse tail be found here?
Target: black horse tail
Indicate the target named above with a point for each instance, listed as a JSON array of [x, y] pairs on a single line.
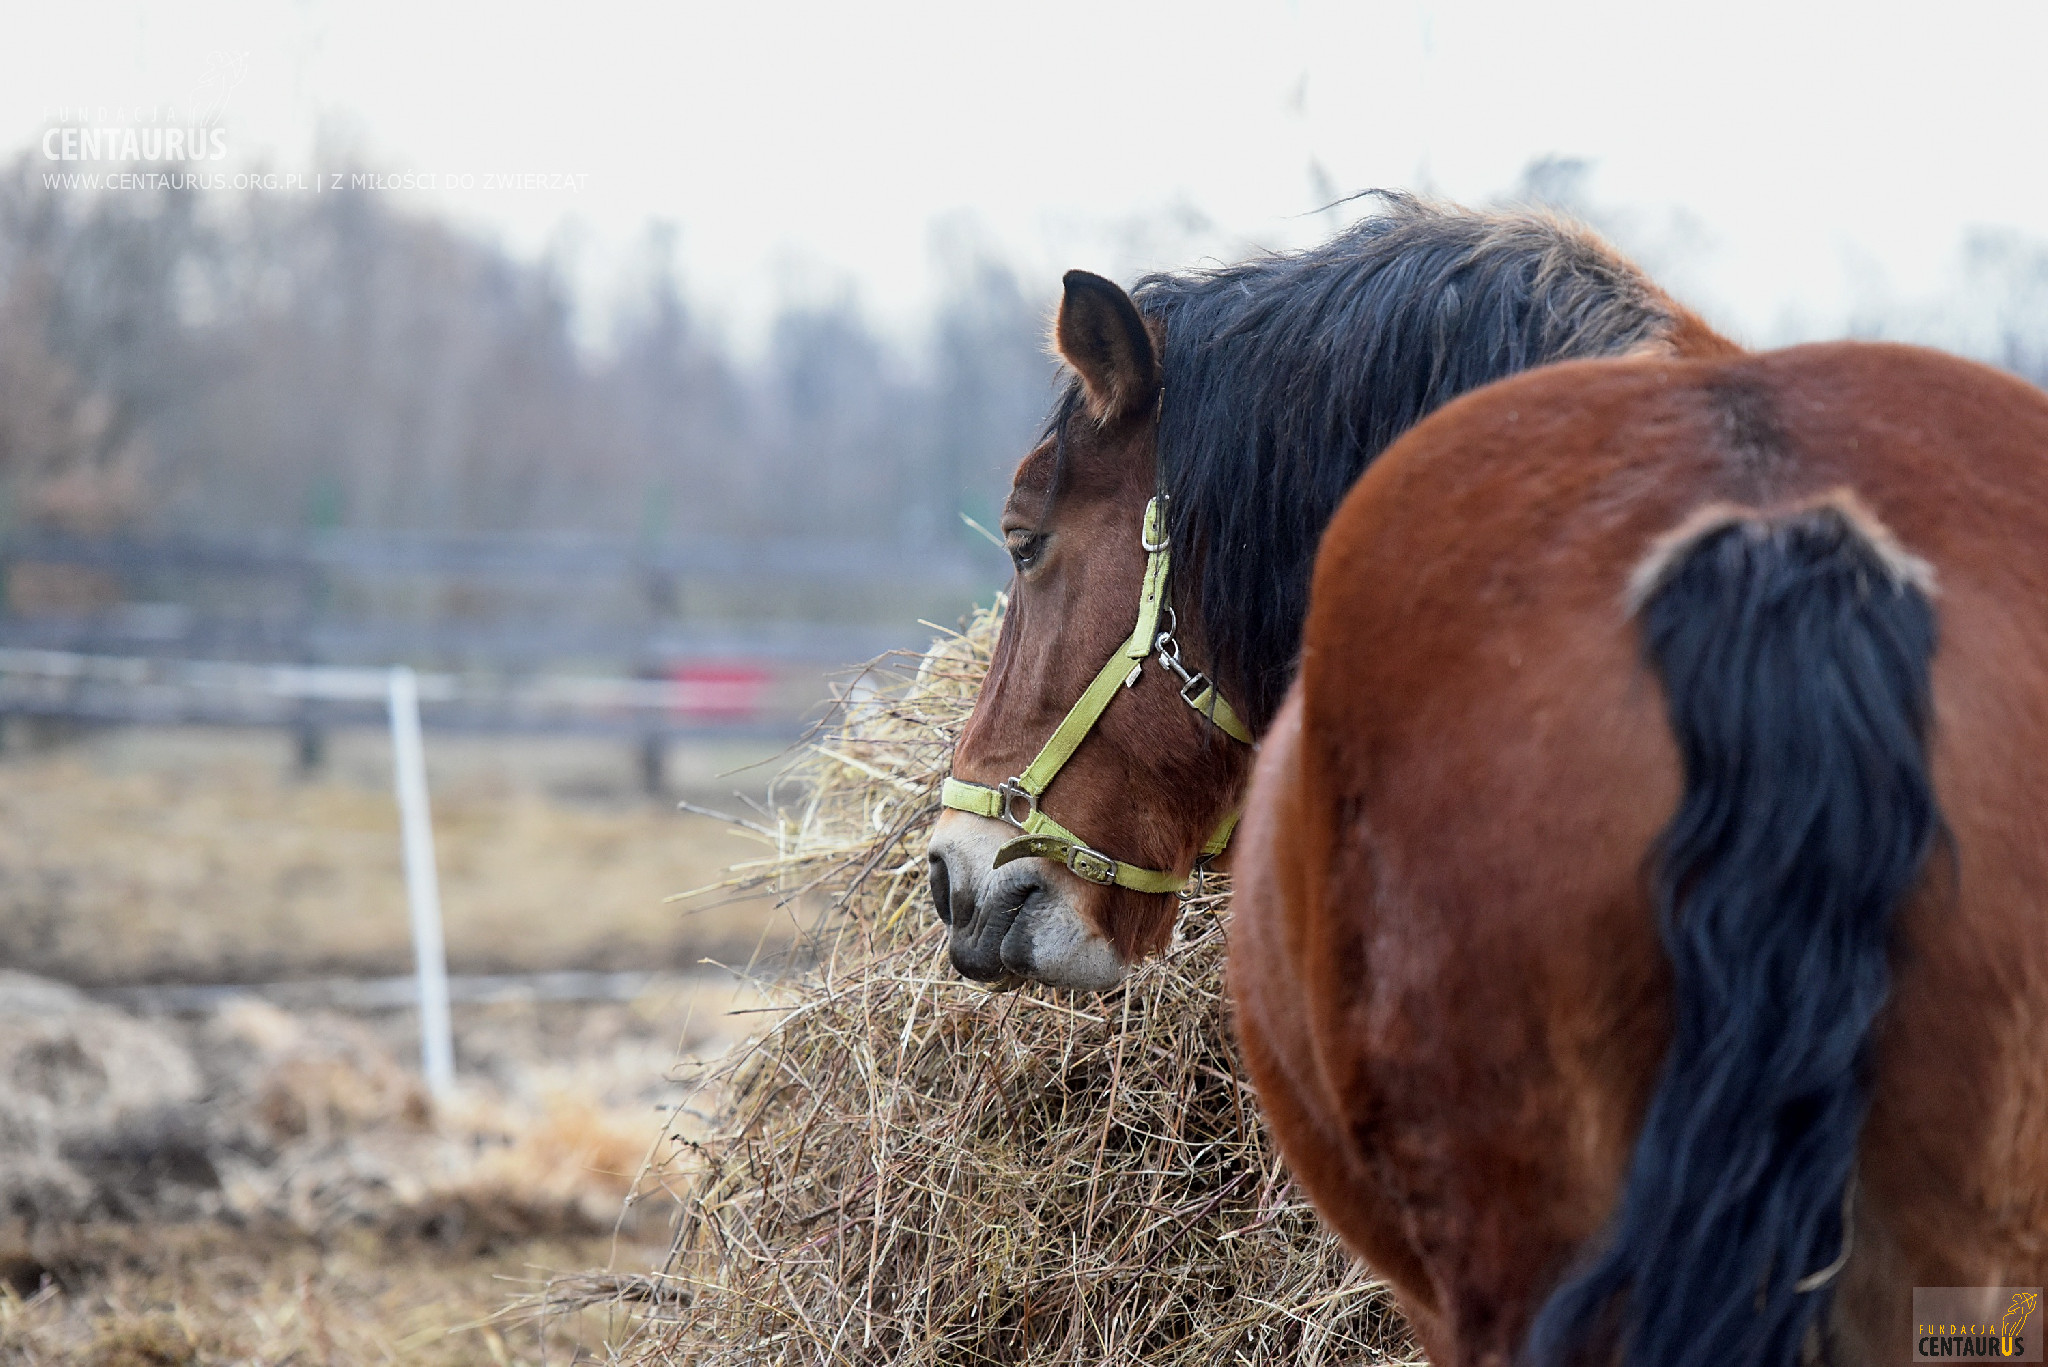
[[1795, 651]]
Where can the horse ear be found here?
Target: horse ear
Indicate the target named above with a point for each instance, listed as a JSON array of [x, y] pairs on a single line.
[[1101, 335]]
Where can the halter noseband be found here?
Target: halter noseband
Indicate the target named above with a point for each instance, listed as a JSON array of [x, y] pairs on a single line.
[[1015, 800]]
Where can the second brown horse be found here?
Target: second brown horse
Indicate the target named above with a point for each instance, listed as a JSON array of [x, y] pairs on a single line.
[[1638, 917], [1640, 943]]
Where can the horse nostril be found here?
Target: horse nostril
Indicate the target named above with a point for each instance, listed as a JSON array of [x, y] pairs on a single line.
[[942, 889]]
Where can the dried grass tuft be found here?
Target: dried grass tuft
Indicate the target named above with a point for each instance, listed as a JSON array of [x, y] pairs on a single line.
[[906, 1168]]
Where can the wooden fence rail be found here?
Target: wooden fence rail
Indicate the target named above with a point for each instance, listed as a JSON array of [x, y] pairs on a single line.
[[156, 691]]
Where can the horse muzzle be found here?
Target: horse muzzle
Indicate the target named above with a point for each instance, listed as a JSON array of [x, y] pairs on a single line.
[[1021, 920]]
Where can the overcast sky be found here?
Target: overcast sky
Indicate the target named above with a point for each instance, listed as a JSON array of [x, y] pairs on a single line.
[[1775, 161]]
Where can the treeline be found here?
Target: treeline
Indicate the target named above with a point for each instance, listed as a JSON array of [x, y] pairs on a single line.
[[188, 365], [1992, 304], [211, 366]]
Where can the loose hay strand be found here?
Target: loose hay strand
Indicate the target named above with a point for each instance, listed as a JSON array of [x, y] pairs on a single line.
[[909, 1169]]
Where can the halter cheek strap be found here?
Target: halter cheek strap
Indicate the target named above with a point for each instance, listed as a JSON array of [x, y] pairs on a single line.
[[1015, 800]]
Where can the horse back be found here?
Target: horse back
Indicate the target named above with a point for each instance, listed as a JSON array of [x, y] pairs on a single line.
[[1448, 963]]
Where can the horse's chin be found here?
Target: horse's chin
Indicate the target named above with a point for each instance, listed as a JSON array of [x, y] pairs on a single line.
[[1022, 920]]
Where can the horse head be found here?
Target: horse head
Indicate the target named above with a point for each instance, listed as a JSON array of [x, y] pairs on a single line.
[[1164, 532], [1097, 764]]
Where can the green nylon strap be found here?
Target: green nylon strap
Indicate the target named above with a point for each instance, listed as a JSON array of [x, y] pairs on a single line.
[[1210, 704], [1075, 726], [1091, 864], [1045, 838], [978, 798], [1221, 840], [1095, 700]]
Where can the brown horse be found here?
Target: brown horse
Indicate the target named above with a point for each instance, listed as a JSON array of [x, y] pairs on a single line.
[[1596, 921], [1245, 401], [1590, 957]]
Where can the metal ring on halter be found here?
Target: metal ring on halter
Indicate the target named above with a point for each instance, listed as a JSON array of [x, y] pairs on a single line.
[[1165, 645], [1010, 790], [1168, 650]]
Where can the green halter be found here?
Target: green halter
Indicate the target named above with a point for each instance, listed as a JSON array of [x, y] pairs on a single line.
[[1015, 800]]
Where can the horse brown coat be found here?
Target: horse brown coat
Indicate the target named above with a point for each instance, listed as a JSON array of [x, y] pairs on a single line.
[[1449, 985]]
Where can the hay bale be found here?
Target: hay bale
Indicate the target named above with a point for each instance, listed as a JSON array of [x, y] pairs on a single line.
[[907, 1168]]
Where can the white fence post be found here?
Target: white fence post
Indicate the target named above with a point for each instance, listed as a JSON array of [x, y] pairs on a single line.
[[422, 885]]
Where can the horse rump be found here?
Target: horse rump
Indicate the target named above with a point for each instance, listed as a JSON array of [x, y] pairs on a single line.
[[1794, 647]]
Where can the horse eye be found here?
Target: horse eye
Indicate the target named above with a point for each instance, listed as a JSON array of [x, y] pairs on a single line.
[[1025, 548]]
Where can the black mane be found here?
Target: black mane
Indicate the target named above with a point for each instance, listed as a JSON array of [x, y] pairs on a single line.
[[1285, 375]]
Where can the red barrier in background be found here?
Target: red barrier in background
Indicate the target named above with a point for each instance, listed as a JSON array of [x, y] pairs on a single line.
[[729, 690]]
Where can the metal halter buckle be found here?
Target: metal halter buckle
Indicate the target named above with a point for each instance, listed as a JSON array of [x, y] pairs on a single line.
[[1093, 865], [1165, 539], [1012, 791]]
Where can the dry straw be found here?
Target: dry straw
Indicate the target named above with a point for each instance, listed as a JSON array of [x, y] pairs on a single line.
[[906, 1168]]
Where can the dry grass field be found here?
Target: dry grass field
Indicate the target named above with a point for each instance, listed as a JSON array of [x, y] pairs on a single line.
[[868, 1161], [252, 1184], [197, 856]]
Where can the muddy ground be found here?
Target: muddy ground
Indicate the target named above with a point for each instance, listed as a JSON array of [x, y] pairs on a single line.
[[250, 1183]]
